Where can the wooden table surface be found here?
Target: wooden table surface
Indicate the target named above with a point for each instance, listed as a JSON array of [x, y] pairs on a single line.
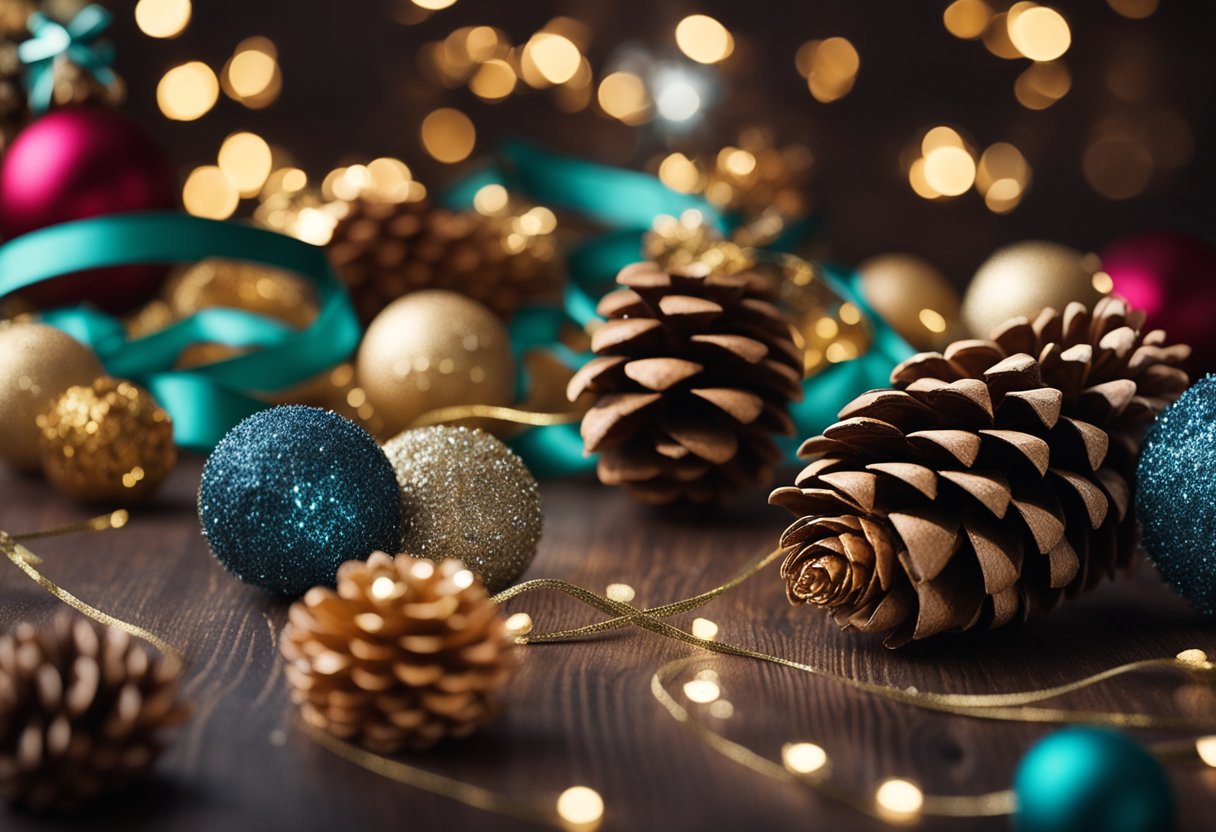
[[584, 713]]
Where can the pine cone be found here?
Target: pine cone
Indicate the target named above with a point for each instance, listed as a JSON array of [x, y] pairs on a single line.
[[81, 708], [405, 653], [695, 373], [995, 479], [385, 250]]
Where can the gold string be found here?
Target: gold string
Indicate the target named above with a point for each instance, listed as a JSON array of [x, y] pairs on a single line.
[[24, 560], [466, 793], [490, 411], [113, 520]]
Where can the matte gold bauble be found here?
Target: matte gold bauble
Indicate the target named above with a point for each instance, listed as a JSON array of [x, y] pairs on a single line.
[[434, 349], [37, 363], [466, 495], [106, 442], [1020, 279], [913, 296]]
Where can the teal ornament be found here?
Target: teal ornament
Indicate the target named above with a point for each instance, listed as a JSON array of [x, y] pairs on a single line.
[[1176, 495], [1091, 780], [292, 493], [77, 41]]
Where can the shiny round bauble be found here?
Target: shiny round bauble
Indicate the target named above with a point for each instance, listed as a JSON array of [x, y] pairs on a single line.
[[291, 493], [434, 349], [913, 296], [1091, 780], [235, 284], [1172, 277], [1021, 279], [108, 441], [1176, 495], [79, 162], [466, 495], [37, 363]]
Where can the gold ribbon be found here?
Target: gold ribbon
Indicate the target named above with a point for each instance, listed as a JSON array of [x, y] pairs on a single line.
[[457, 412]]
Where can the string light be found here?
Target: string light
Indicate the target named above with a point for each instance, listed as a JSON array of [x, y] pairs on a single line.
[[252, 75], [1039, 32], [162, 18], [830, 67], [704, 39], [996, 38], [490, 199], [803, 757], [493, 80], [702, 691], [899, 800], [623, 96], [187, 91], [949, 170], [555, 57], [1042, 84], [621, 592], [209, 193], [967, 19], [245, 159], [434, 5], [580, 807], [677, 97], [1206, 748], [704, 629], [448, 135]]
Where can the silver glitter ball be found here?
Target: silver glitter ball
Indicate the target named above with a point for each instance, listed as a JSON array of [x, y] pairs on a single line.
[[466, 495]]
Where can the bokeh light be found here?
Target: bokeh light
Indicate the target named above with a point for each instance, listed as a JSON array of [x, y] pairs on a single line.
[[580, 807], [448, 135], [680, 173], [899, 800], [704, 39], [1038, 32], [1042, 84], [434, 5], [187, 91], [252, 75], [245, 159], [1134, 9], [493, 80], [162, 18], [555, 57], [949, 170], [209, 193], [830, 67], [967, 19], [623, 96]]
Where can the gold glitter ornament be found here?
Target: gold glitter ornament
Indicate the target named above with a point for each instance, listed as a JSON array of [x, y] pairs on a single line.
[[108, 441], [1020, 279], [434, 349], [37, 363], [914, 297], [466, 495], [239, 285]]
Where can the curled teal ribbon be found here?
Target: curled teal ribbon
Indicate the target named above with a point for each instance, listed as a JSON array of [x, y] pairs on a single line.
[[77, 41], [626, 203], [206, 401]]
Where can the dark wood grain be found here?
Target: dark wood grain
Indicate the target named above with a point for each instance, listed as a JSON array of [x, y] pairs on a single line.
[[583, 713]]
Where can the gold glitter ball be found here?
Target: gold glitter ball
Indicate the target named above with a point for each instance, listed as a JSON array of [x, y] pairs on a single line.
[[466, 495], [106, 442], [37, 363]]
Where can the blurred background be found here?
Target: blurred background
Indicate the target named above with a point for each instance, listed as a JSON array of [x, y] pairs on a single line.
[[1107, 133]]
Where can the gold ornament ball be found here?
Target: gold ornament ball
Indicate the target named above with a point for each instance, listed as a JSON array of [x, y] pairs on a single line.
[[218, 282], [434, 349], [1020, 279], [466, 495], [106, 442], [37, 363], [913, 296]]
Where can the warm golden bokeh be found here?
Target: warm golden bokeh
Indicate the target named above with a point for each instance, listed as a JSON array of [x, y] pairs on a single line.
[[187, 91], [448, 135], [162, 18]]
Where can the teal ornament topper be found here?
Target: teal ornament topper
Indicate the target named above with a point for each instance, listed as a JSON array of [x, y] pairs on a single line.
[[77, 41]]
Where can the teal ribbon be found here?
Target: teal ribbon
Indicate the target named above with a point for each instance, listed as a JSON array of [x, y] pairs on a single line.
[[77, 41], [626, 203], [205, 402]]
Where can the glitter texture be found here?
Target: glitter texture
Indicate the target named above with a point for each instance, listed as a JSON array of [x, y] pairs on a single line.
[[465, 495], [293, 492], [1176, 495]]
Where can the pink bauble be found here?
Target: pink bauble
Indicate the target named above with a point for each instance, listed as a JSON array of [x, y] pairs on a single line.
[[80, 162], [1172, 277]]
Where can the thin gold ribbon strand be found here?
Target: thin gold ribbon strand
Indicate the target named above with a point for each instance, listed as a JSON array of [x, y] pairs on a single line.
[[457, 412]]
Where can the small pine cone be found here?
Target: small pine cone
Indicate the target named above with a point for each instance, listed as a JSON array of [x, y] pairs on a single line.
[[694, 374], [994, 480], [81, 711], [384, 250], [405, 653]]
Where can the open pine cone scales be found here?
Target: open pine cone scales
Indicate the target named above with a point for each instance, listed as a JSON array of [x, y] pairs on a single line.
[[995, 479], [694, 375], [81, 708], [405, 653]]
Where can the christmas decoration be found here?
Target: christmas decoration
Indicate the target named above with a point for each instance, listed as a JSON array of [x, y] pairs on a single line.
[[464, 494], [406, 653], [1172, 277], [37, 363], [13, 104], [694, 374], [913, 297], [291, 493], [988, 484], [434, 349], [387, 249], [82, 711], [216, 282], [1091, 780], [82, 162], [1020, 279], [1176, 495], [106, 442]]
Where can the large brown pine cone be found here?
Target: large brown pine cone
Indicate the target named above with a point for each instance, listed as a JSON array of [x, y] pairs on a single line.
[[994, 480], [384, 250], [405, 653], [694, 374], [81, 711]]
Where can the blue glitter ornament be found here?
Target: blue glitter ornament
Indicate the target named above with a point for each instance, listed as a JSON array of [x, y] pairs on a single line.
[[1091, 780], [293, 492], [1176, 495]]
